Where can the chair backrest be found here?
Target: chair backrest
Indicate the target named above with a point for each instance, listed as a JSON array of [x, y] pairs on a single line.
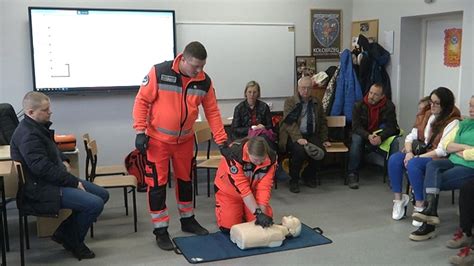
[[92, 149], [202, 134], [86, 139], [336, 121], [21, 182]]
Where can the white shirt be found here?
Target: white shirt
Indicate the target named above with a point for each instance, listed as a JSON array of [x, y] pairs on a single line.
[[440, 151]]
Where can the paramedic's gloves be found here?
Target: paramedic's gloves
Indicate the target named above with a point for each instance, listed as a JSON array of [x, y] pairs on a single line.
[[227, 152], [141, 142], [262, 219]]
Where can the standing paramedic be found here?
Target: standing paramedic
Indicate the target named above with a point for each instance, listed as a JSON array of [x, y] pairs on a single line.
[[165, 110]]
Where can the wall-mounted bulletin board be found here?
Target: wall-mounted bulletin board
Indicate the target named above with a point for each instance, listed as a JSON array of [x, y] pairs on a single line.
[[368, 28]]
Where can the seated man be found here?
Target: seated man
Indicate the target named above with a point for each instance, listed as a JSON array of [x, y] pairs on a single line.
[[304, 121], [373, 121], [49, 186]]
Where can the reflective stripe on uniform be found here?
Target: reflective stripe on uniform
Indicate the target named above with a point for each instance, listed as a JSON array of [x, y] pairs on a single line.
[[196, 92], [185, 206], [173, 132], [159, 215], [160, 224], [168, 87], [259, 175]]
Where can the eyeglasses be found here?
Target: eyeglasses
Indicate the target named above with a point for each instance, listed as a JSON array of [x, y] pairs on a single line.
[[435, 103]]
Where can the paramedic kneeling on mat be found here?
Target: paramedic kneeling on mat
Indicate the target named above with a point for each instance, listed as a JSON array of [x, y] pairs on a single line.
[[243, 187]]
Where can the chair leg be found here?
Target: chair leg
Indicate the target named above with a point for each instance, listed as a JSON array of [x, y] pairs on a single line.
[[2, 243], [452, 197], [92, 230], [194, 179], [5, 225], [208, 182], [125, 199], [169, 174], [134, 195], [27, 233], [344, 169], [22, 238]]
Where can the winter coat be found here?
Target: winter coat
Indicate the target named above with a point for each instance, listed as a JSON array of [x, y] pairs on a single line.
[[387, 120], [290, 124], [242, 120], [347, 89], [32, 144], [8, 123]]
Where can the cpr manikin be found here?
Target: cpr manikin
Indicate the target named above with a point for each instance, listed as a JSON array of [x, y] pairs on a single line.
[[249, 235]]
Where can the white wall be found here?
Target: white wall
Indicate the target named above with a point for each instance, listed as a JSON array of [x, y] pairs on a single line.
[[390, 13], [108, 117]]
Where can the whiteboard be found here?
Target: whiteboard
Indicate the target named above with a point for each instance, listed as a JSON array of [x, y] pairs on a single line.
[[238, 53]]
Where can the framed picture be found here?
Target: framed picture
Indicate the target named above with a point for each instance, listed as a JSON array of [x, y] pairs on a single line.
[[305, 66], [368, 28], [326, 33]]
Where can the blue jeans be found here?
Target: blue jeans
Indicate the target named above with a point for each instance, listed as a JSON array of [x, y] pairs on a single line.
[[86, 206], [416, 172], [358, 147], [445, 175]]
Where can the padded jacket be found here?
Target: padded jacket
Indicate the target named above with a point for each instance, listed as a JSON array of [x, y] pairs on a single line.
[[33, 145], [8, 123], [241, 121], [167, 104], [387, 120], [292, 129], [241, 178]]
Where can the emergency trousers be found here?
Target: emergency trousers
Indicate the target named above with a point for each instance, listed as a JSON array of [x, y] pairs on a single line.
[[159, 154], [231, 209]]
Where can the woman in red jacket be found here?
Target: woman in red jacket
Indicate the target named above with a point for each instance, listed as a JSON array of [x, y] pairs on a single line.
[[243, 187]]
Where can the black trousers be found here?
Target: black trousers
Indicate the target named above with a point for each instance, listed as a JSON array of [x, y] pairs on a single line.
[[466, 207], [298, 156]]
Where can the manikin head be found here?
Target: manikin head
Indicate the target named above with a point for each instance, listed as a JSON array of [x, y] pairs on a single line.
[[293, 224]]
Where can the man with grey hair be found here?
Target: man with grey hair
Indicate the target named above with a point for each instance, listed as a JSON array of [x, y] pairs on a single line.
[[304, 121], [49, 186]]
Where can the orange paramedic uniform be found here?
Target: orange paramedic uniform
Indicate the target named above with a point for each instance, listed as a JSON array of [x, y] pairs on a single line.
[[238, 179], [166, 108]]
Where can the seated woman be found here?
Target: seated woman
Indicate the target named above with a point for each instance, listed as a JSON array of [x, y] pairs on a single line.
[[243, 187], [249, 235], [251, 114], [435, 125], [447, 174]]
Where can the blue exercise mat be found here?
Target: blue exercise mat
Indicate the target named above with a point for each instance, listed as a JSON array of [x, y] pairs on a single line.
[[218, 246]]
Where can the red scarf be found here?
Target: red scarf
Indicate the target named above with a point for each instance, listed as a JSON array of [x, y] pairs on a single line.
[[374, 111]]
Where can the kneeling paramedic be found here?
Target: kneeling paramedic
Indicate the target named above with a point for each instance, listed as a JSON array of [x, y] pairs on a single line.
[[243, 186]]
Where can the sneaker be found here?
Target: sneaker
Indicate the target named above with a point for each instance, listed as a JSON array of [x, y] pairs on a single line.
[[83, 252], [400, 207], [294, 187], [353, 181], [459, 240], [190, 225], [462, 258], [163, 238], [424, 232]]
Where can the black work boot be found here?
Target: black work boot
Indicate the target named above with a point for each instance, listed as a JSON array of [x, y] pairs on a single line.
[[294, 186], [353, 181], [163, 238], [424, 232], [83, 252], [190, 225], [429, 214]]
